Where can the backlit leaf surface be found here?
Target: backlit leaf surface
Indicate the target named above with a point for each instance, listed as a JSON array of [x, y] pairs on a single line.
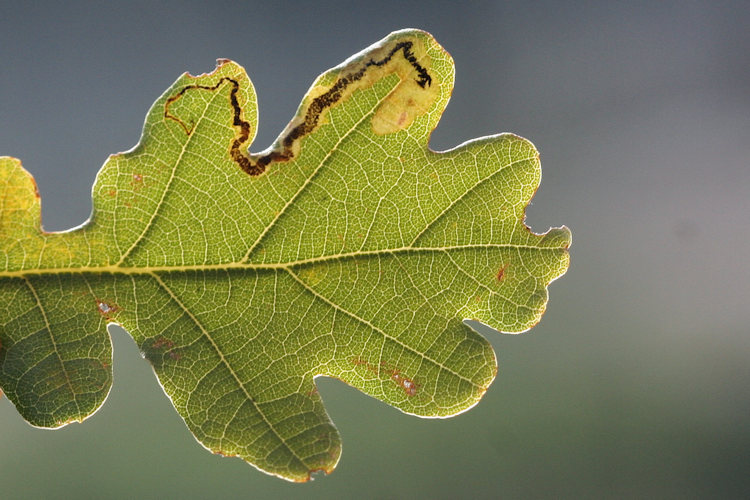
[[348, 249]]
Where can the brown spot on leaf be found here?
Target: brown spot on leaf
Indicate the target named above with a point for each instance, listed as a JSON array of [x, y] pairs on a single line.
[[365, 363], [501, 273], [106, 309], [36, 188], [137, 182], [112, 193], [316, 472], [167, 347], [408, 385], [162, 343]]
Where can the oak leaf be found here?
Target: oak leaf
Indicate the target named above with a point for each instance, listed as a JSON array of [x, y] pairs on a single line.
[[348, 249]]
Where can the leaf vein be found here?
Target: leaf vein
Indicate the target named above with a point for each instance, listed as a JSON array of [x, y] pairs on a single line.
[[378, 330], [453, 203], [226, 364], [309, 179], [54, 344]]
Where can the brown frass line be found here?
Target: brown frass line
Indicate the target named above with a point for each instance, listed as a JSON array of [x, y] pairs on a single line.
[[317, 106]]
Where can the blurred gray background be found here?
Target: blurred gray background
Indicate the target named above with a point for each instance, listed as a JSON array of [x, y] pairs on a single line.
[[635, 383]]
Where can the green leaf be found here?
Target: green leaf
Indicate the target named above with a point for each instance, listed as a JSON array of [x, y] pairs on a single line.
[[348, 249]]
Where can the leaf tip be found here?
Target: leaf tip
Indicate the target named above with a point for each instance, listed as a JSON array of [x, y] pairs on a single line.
[[221, 63]]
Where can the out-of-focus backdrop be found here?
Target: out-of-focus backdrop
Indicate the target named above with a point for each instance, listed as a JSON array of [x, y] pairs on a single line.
[[637, 380]]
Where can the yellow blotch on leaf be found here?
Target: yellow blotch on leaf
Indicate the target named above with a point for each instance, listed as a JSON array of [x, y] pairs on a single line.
[[403, 105]]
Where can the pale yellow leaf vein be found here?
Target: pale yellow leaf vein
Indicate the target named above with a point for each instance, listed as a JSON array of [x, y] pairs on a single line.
[[309, 179], [482, 285], [463, 195], [168, 185], [226, 363], [54, 344], [378, 330]]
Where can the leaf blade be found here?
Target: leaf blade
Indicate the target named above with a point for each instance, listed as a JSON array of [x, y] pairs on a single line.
[[348, 249]]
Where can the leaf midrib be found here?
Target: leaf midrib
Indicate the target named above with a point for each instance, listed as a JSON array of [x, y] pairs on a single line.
[[138, 270]]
